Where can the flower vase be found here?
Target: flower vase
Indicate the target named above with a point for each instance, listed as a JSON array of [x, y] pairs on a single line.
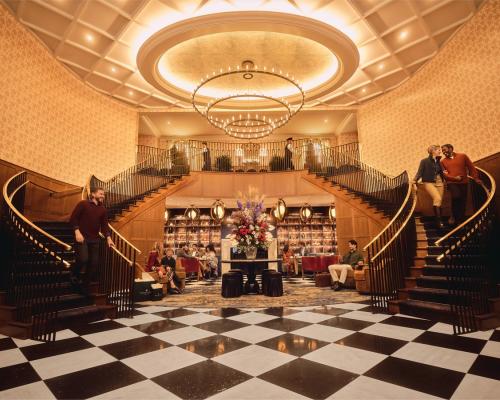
[[251, 253]]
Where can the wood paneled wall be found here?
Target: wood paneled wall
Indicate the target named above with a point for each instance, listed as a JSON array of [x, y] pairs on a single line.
[[47, 199]]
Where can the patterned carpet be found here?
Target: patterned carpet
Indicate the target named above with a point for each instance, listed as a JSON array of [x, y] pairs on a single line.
[[297, 291]]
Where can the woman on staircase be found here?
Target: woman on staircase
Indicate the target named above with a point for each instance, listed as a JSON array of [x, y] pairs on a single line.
[[431, 173]]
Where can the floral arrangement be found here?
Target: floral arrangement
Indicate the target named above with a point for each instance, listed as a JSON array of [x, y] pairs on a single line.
[[251, 226]]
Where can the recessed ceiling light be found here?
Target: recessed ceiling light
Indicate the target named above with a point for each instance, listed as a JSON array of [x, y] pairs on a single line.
[[113, 69], [168, 122], [403, 34], [363, 90], [381, 66], [130, 93], [326, 120], [89, 37]]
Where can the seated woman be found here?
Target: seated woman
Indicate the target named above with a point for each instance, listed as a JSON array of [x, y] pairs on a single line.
[[153, 259], [212, 260], [289, 261], [168, 268]]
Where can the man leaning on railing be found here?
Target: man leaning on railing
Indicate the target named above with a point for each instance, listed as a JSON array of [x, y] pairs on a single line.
[[88, 219]]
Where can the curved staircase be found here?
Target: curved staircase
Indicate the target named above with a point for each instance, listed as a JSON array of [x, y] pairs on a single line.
[[39, 298]]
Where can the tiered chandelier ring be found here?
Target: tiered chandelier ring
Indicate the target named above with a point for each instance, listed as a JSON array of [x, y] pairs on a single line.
[[248, 124]]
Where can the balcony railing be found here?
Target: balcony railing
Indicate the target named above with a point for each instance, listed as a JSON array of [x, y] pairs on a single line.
[[250, 157]]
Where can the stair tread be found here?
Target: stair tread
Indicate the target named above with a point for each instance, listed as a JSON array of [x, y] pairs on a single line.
[[442, 307], [72, 312], [434, 278], [428, 290]]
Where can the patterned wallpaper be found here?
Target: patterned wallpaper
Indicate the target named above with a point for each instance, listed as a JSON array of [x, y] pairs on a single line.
[[452, 99], [51, 122]]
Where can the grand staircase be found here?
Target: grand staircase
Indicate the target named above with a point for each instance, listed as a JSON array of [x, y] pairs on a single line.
[[39, 298], [416, 269], [431, 292]]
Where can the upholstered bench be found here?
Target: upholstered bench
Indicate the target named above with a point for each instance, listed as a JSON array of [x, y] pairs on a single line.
[[274, 285], [232, 284], [323, 279]]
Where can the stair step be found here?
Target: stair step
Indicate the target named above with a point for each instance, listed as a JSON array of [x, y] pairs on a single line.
[[428, 310], [410, 282], [86, 314], [415, 272], [436, 296], [438, 282]]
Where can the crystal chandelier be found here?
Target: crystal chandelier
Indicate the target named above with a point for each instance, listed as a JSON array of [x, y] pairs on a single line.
[[240, 119]]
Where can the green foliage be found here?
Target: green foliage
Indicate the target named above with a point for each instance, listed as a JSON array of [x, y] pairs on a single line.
[[277, 163], [179, 161], [223, 163]]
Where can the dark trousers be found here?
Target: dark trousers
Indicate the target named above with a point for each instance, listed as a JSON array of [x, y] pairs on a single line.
[[87, 260], [458, 200], [289, 163]]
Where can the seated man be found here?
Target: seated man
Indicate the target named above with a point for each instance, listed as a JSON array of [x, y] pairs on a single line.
[[349, 261], [183, 251]]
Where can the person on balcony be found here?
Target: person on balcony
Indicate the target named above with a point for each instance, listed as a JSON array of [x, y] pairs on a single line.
[[289, 154], [456, 168], [431, 173], [89, 218], [207, 162], [351, 260]]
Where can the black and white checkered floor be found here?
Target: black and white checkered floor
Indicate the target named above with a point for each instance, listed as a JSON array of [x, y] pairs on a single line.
[[342, 351]]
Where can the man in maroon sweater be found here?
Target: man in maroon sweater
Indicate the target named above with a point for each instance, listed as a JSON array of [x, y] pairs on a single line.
[[88, 219], [456, 168]]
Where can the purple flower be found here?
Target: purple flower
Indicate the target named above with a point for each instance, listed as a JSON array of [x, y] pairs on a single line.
[[238, 203]]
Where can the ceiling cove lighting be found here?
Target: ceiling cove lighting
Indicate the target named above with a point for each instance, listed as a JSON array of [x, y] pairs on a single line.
[[250, 123]]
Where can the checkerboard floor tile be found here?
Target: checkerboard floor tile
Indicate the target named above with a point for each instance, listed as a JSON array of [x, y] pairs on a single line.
[[339, 351]]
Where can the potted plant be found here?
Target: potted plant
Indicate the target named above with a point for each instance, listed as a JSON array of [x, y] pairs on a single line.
[[223, 163], [277, 163]]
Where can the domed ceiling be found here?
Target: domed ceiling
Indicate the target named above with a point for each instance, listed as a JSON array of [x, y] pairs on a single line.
[[152, 53]]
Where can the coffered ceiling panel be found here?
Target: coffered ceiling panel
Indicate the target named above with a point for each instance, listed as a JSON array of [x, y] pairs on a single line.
[[99, 40]]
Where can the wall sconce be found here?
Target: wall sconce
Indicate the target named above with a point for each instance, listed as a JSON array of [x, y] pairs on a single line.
[[280, 210], [332, 214], [192, 213], [218, 210], [167, 215], [306, 213]]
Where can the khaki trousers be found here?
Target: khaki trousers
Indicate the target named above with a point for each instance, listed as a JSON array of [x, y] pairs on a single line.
[[436, 191], [342, 268]]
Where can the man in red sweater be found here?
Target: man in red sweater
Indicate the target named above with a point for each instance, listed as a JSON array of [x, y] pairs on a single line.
[[456, 168], [88, 219]]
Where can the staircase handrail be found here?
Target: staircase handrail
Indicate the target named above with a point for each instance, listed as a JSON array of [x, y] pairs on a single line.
[[17, 214], [410, 196], [389, 182], [476, 216]]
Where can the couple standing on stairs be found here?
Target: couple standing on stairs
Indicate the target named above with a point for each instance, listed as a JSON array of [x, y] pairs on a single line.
[[454, 169]]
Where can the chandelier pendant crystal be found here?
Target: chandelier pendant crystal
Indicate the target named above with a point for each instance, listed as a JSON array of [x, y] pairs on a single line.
[[248, 122]]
